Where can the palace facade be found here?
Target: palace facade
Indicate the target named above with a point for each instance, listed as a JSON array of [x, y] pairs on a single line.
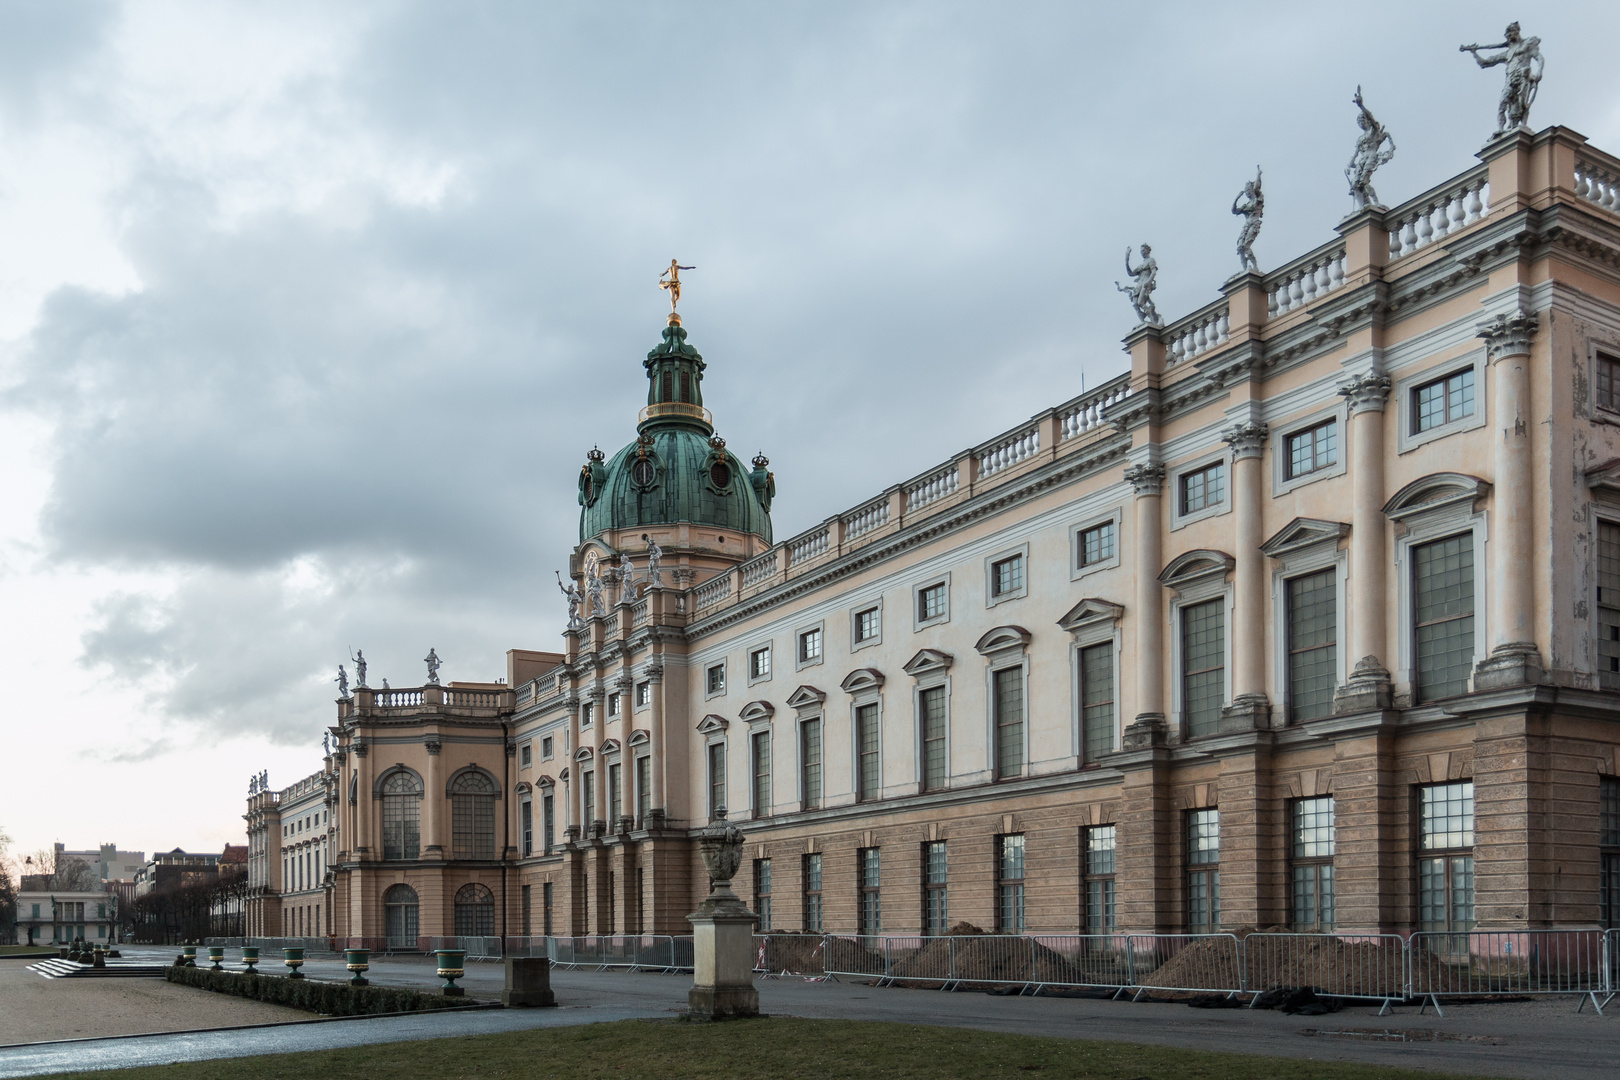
[[1311, 618]]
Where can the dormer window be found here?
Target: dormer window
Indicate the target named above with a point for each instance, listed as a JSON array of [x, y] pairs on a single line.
[[643, 472], [720, 474]]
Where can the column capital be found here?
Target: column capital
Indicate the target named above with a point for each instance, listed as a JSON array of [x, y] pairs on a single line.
[[432, 744], [1366, 393], [1247, 439], [1145, 479], [1508, 334]]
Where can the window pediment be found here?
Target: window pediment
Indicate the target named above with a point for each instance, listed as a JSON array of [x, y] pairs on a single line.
[[927, 661], [1605, 477], [523, 786], [610, 746], [401, 779], [546, 783], [805, 697], [712, 724], [862, 679], [1195, 567], [639, 737], [1437, 491], [584, 753], [1091, 612], [1003, 637], [1304, 532], [563, 776], [757, 712]]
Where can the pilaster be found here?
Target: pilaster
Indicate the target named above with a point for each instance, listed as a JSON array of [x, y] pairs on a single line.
[[1368, 686], [1147, 480], [1250, 708]]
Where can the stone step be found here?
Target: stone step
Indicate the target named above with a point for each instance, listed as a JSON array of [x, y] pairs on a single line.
[[67, 969]]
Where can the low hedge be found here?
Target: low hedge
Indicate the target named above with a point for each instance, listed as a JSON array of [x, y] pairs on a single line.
[[327, 998]]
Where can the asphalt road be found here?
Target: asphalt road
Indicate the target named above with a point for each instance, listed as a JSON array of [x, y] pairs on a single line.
[[1541, 1040]]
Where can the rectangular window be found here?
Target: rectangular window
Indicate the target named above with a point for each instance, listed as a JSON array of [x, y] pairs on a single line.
[[762, 773], [1097, 544], [868, 624], [812, 893], [810, 762], [759, 663], [762, 894], [643, 694], [1608, 597], [717, 777], [1097, 700], [1010, 885], [868, 740], [1203, 488], [1312, 644], [810, 645], [1446, 857], [526, 755], [1443, 617], [1099, 883], [643, 790], [587, 713], [1312, 867], [871, 902], [715, 680], [1609, 845], [931, 710], [545, 907], [1203, 871], [936, 919], [1009, 718], [615, 791], [613, 704], [528, 898], [1312, 449], [548, 822], [1203, 665], [931, 602], [1007, 576], [546, 748], [1606, 377], [1437, 403], [526, 826], [587, 795]]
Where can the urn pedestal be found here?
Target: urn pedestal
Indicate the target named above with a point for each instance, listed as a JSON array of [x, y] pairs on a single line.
[[722, 933]]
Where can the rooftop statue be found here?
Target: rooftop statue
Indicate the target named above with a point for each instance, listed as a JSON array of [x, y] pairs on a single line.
[[1521, 56], [1144, 279], [593, 590], [359, 668], [671, 280], [626, 575], [343, 683], [432, 661], [655, 574], [1371, 153], [1254, 212], [326, 744], [574, 601]]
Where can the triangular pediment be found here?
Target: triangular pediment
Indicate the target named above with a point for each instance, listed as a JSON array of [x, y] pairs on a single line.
[[1304, 532], [711, 724], [756, 711], [928, 660], [1194, 566], [862, 679], [1091, 612], [805, 697], [1436, 491], [1605, 477], [546, 783], [611, 746], [1003, 637]]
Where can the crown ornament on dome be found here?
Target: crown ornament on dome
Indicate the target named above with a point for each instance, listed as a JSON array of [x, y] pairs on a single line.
[[760, 460], [596, 455], [716, 442]]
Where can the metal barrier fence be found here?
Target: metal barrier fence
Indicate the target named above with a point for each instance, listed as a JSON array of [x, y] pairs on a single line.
[[1186, 963], [1497, 962], [790, 954], [477, 948], [1366, 966], [634, 952]]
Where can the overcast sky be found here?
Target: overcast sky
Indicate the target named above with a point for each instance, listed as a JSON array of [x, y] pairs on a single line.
[[310, 312]]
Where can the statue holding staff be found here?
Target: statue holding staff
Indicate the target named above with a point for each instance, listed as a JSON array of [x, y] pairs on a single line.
[[1521, 57], [1253, 212], [574, 602], [1371, 152]]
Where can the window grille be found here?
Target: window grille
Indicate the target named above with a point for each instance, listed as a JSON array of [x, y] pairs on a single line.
[[1443, 616], [936, 918], [1099, 879], [475, 911], [1097, 544], [810, 645], [548, 816], [1312, 868], [526, 826], [1446, 857], [1609, 841], [869, 778], [1606, 379], [762, 773], [931, 602], [643, 789], [762, 894], [1010, 885], [1203, 488], [1203, 665], [868, 625], [1312, 449], [759, 663], [871, 902], [615, 791], [1007, 576], [1203, 871], [1097, 700], [402, 816], [810, 762], [643, 694], [1009, 720], [587, 797], [1312, 644], [717, 777], [812, 893], [613, 704], [716, 678], [1608, 597], [931, 706], [472, 816], [1437, 403]]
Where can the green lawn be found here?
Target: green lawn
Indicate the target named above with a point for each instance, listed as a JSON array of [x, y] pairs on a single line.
[[768, 1049], [27, 950]]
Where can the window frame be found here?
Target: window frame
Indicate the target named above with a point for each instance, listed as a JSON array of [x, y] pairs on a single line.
[[1281, 482], [1445, 855], [811, 893], [1107, 881], [615, 705], [548, 747], [1177, 477], [1601, 514], [941, 686], [874, 702], [712, 744], [1010, 892], [857, 643], [991, 561], [806, 804], [1192, 869], [1323, 885], [1077, 531], [1179, 610], [936, 917], [767, 648], [1608, 851], [818, 628], [709, 669], [1405, 395], [526, 754], [918, 622], [641, 695], [868, 886], [754, 760], [762, 896], [1599, 352], [1301, 558]]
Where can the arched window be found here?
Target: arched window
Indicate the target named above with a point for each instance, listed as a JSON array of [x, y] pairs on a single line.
[[402, 816], [400, 917], [472, 806], [475, 911]]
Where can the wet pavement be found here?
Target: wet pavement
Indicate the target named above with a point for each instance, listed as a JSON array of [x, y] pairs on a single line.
[[1544, 1039]]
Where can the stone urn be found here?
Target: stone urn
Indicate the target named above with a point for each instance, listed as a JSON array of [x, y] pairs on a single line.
[[451, 968], [722, 932], [98, 957], [358, 962], [294, 959], [250, 958], [189, 952], [216, 956]]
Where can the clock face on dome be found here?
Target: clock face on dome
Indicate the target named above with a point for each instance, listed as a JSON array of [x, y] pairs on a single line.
[[593, 564]]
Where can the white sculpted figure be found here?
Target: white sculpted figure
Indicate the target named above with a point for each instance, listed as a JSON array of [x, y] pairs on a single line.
[[1253, 211], [627, 575], [593, 592], [359, 668], [432, 661], [1144, 279], [343, 683], [1521, 56], [655, 554], [1371, 152], [574, 602]]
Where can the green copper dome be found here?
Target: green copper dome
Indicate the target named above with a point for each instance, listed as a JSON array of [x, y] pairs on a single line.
[[677, 470]]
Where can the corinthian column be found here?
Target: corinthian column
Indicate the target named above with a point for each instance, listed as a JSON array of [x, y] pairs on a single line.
[[1149, 725], [1250, 707], [1514, 660], [1368, 686]]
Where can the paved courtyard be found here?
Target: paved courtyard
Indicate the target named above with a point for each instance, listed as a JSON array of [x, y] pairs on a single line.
[[1545, 1038]]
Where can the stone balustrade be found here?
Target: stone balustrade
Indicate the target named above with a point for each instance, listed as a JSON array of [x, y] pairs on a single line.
[[759, 570], [1598, 185], [638, 614], [933, 487], [1091, 410], [810, 545], [1296, 286], [1008, 451], [1197, 335], [873, 515], [396, 699], [1436, 215], [610, 626], [711, 592]]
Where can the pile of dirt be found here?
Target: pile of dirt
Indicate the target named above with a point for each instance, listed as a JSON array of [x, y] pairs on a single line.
[[850, 956], [1366, 968], [978, 960], [781, 952], [1204, 964]]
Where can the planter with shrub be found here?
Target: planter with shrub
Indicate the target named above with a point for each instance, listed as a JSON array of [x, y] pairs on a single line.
[[329, 999]]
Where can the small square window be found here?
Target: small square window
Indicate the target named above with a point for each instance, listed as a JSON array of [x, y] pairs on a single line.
[[546, 748], [810, 645], [868, 624], [759, 663], [1443, 400], [1007, 576], [613, 704], [526, 755], [1606, 382], [1313, 449], [715, 680], [1203, 488], [931, 602], [643, 694], [1097, 544]]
